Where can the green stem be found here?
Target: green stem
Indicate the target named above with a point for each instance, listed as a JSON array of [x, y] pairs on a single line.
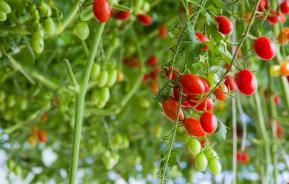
[[80, 106], [70, 73], [235, 139]]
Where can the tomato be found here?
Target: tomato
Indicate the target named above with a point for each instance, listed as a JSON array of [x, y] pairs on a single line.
[[225, 25], [215, 166], [206, 84], [110, 159], [170, 108], [221, 93], [282, 37], [49, 26], [284, 7], [246, 82], [209, 122], [102, 79], [274, 17], [37, 42], [210, 153], [176, 93], [277, 99], [172, 74], [95, 71], [194, 128], [123, 15], [4, 7], [163, 31], [44, 9], [81, 30], [101, 10], [112, 75], [285, 68], [131, 62], [3, 17], [201, 162], [152, 61], [119, 76], [155, 87], [204, 104], [265, 48], [201, 37], [282, 17], [243, 157], [192, 84], [231, 83], [145, 19], [11, 101], [275, 70], [42, 137], [194, 146], [32, 140], [279, 131], [263, 5], [104, 95]]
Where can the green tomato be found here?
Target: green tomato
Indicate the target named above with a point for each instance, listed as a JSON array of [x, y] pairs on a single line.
[[2, 96], [110, 159], [3, 17], [210, 153], [95, 96], [275, 71], [112, 75], [215, 166], [23, 104], [4, 7], [201, 162], [104, 97], [81, 30], [102, 78], [95, 71], [37, 42], [11, 101], [49, 26], [44, 10], [195, 146]]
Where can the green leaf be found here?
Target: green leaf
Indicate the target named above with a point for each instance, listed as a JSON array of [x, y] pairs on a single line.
[[222, 131], [219, 3]]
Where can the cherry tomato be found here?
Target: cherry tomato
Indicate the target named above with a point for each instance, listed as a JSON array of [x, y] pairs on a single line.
[[123, 15], [201, 37], [246, 82], [5, 7], [131, 62], [209, 122], [104, 95], [102, 78], [42, 137], [210, 153], [263, 5], [221, 93], [152, 61], [277, 99], [171, 75], [145, 19], [112, 75], [45, 9], [194, 128], [194, 146], [192, 84], [243, 157], [265, 48], [274, 17], [163, 31], [37, 42], [201, 162], [170, 107], [176, 93], [120, 76], [155, 87], [49, 26], [101, 10], [275, 70], [3, 17], [225, 25], [282, 37], [81, 30], [206, 83], [231, 83], [32, 140], [215, 166], [285, 68], [282, 17], [95, 71], [284, 7], [204, 104]]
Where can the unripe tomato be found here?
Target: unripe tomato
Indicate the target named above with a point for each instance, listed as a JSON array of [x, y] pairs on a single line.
[[37, 42], [285, 68], [246, 82], [45, 9], [194, 128], [210, 153], [101, 10], [95, 71], [104, 95], [110, 159], [215, 166], [2, 96], [282, 37], [120, 76], [32, 140], [102, 78], [49, 26], [170, 108], [221, 93], [3, 17], [163, 31], [42, 137], [192, 84], [209, 122], [152, 61], [225, 25], [274, 17], [145, 19], [81, 30], [171, 75], [201, 162], [231, 83], [275, 70], [112, 75], [155, 87], [123, 15], [95, 96], [11, 101], [265, 48], [284, 7], [4, 7], [194, 146]]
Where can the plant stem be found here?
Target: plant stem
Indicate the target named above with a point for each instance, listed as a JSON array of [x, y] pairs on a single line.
[[80, 106], [234, 122]]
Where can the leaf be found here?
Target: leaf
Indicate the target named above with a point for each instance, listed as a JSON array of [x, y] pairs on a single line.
[[192, 33], [222, 131], [219, 3]]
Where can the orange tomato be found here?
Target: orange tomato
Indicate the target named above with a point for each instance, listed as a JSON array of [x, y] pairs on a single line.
[[285, 68]]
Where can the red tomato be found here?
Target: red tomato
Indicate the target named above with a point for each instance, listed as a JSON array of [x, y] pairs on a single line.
[[225, 24], [123, 15], [201, 104], [265, 48], [243, 157], [221, 93], [176, 92], [277, 100], [152, 61], [284, 7], [174, 73], [274, 18], [163, 30], [263, 5], [201, 37], [246, 82], [194, 128], [279, 131], [170, 107], [192, 84], [42, 137], [101, 10], [231, 83], [206, 83], [131, 62], [209, 122], [282, 17], [155, 87], [145, 19], [227, 66]]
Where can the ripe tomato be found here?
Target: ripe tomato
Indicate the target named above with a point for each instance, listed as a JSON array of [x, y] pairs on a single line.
[[282, 37], [170, 107], [243, 157], [201, 162], [265, 48], [163, 30], [221, 93], [192, 84], [176, 93], [215, 166], [225, 24], [282, 17], [277, 99], [204, 104], [194, 146], [263, 5], [101, 10], [145, 19], [231, 83], [274, 17], [155, 87], [172, 74], [209, 122], [206, 83], [42, 137], [275, 70], [123, 15], [131, 62], [246, 82], [284, 7], [285, 68], [152, 61], [201, 37], [194, 128]]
